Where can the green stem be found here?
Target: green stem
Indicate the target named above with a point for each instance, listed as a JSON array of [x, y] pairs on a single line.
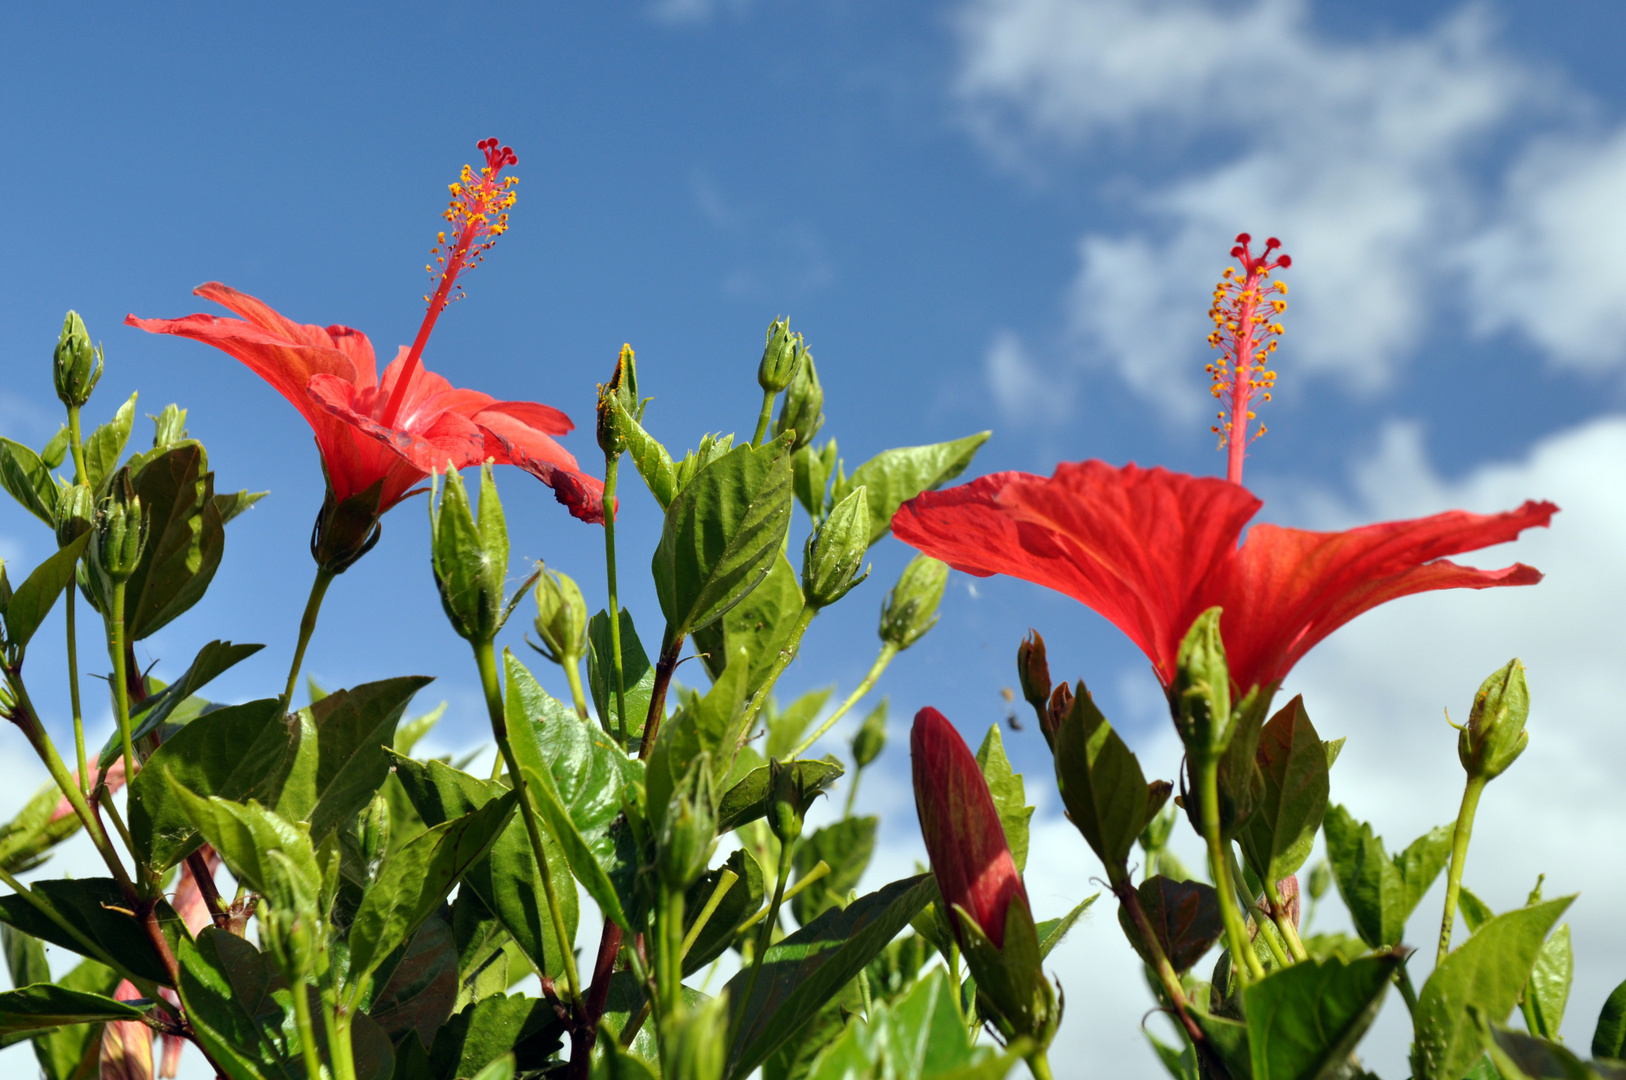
[[26, 718], [817, 873], [764, 417], [73, 695], [882, 659], [1459, 853], [1166, 975], [307, 1031], [1284, 922], [1272, 939], [307, 627], [852, 794], [339, 1051], [612, 467], [1236, 933], [121, 688], [90, 948], [76, 446], [725, 882], [780, 663], [573, 673], [863, 988], [670, 979], [764, 939], [954, 979], [1040, 1065], [485, 656], [1409, 995]]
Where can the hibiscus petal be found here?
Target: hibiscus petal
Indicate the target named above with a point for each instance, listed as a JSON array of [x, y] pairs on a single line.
[[510, 441], [438, 442]]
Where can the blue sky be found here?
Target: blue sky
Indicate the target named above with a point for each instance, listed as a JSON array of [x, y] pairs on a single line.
[[987, 214]]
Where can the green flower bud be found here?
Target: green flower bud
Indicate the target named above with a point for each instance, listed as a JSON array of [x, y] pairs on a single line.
[[803, 409], [910, 609], [169, 427], [696, 1039], [1494, 736], [871, 737], [781, 357], [1320, 879], [561, 617], [121, 529], [76, 365], [375, 832], [470, 558], [1202, 689], [75, 514], [787, 802], [1033, 671], [833, 554], [688, 832], [623, 389]]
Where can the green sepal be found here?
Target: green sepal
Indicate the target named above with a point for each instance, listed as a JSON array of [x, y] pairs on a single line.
[[1011, 988]]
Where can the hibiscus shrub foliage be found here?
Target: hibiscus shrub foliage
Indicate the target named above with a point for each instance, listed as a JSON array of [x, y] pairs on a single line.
[[294, 893]]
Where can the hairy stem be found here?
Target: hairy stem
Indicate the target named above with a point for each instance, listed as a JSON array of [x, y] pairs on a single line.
[[1236, 933], [612, 467], [307, 627], [670, 651], [764, 417], [882, 659], [1459, 853]]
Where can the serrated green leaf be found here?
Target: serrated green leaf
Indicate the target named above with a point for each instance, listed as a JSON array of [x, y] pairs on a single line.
[[895, 476], [1486, 972], [32, 600], [1101, 782], [1518, 1056], [1052, 931], [846, 847], [421, 991], [240, 752], [227, 989], [635, 669], [803, 971], [483, 1032], [73, 1052], [786, 728], [1009, 797], [1548, 991], [1380, 892], [247, 835], [1293, 762], [747, 800], [28, 480], [722, 534], [105, 445], [186, 539], [761, 624], [1305, 1020], [229, 506], [414, 881], [648, 456], [354, 730], [46, 1005]]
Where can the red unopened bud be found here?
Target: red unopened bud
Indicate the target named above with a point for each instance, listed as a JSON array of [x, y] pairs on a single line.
[[1061, 703], [958, 819], [1033, 671]]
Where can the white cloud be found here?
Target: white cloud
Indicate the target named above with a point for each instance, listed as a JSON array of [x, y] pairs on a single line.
[[1367, 158], [1022, 388], [692, 12]]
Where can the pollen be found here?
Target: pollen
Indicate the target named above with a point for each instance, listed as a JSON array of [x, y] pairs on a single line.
[[477, 214], [1246, 312]]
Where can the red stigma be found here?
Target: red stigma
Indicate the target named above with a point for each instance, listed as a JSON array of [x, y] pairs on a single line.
[[1243, 238], [496, 155]]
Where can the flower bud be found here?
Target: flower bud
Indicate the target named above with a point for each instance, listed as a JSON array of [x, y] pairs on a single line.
[[561, 617], [871, 737], [622, 389], [1320, 880], [75, 514], [1494, 736], [833, 554], [910, 609], [781, 357], [803, 409], [169, 427], [697, 1040], [345, 531], [1055, 712], [1202, 689], [375, 832], [121, 530], [1033, 671], [470, 558], [76, 365], [688, 832], [787, 801]]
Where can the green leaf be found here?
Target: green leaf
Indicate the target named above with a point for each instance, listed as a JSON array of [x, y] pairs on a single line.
[[483, 1032], [1293, 761], [635, 669], [895, 476], [422, 989], [1052, 931], [247, 835], [186, 539], [1609, 1037], [28, 480], [46, 1005], [810, 472], [1381, 892], [1486, 972], [1101, 783], [1184, 916], [648, 456], [226, 986], [747, 800], [149, 715], [1475, 912], [229, 506], [26, 838], [761, 624], [1229, 1041], [1305, 1020], [1181, 1064], [580, 782], [846, 846], [803, 971], [105, 445], [506, 881], [785, 729], [1009, 798], [25, 958], [354, 731], [95, 908], [34, 598], [73, 1052], [239, 753], [743, 900], [1518, 1056], [712, 724], [1549, 988], [414, 881], [722, 534]]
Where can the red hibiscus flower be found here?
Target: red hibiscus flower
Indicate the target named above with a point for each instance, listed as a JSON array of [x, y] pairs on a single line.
[[958, 819], [393, 431], [1151, 550]]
